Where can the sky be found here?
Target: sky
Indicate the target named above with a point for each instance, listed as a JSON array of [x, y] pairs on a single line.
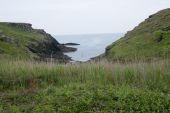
[[61, 17]]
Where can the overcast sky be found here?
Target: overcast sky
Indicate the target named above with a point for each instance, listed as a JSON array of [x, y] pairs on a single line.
[[80, 16]]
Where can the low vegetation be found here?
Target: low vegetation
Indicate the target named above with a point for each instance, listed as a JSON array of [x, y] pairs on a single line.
[[101, 87], [135, 80], [150, 39]]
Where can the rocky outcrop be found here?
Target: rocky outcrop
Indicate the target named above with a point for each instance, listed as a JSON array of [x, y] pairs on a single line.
[[45, 47], [166, 28], [23, 26], [66, 49], [50, 47], [6, 39], [71, 44]]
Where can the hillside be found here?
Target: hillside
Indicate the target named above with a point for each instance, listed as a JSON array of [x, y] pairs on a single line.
[[150, 39], [91, 87], [20, 40]]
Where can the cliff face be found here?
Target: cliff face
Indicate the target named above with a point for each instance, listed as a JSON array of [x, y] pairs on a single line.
[[150, 39], [21, 40]]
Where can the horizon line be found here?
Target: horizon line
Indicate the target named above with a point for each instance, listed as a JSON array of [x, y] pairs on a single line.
[[87, 34]]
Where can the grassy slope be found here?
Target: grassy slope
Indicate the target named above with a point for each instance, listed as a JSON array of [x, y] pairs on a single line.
[[22, 39], [80, 88], [100, 87], [141, 43]]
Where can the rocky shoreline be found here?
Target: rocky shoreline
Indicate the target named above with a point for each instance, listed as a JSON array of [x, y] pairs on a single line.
[[47, 47]]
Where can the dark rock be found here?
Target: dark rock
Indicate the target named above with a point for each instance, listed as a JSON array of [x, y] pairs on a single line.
[[49, 47], [6, 39], [41, 31], [67, 49], [23, 26], [47, 50], [166, 28], [151, 16], [159, 39], [71, 44]]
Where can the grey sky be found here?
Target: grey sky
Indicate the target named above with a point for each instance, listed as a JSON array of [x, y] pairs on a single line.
[[80, 16]]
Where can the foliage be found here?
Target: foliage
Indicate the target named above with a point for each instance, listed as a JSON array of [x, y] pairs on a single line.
[[101, 87]]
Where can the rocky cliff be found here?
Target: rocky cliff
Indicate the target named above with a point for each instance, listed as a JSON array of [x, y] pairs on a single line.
[[20, 40]]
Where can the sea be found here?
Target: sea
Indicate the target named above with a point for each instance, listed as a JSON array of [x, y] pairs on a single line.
[[91, 45]]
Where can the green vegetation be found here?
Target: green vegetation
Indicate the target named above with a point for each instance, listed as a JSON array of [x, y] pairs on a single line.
[[101, 87], [18, 40], [127, 85], [149, 40]]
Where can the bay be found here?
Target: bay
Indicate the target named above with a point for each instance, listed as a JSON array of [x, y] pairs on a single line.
[[91, 45]]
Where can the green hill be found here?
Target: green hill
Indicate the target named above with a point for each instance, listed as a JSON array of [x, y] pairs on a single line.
[[20, 40], [92, 87], [151, 39]]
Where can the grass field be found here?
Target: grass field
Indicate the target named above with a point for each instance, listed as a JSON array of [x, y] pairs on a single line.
[[101, 87]]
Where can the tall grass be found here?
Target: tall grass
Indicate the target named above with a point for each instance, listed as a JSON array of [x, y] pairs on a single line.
[[93, 87], [30, 74]]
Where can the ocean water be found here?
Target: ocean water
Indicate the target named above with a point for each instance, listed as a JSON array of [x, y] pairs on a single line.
[[90, 45]]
